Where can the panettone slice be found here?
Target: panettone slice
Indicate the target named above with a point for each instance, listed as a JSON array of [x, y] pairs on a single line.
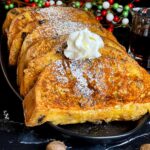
[[19, 38], [112, 87], [28, 74], [38, 49], [53, 14], [11, 15]]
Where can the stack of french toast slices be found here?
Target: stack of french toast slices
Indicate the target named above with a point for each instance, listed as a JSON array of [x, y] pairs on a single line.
[[66, 91]]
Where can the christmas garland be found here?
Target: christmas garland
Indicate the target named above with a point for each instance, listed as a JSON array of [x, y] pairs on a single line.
[[110, 13]]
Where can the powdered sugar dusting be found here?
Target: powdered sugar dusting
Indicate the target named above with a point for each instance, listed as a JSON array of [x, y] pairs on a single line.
[[57, 13], [53, 29], [81, 86], [62, 79], [60, 68], [61, 75], [60, 21]]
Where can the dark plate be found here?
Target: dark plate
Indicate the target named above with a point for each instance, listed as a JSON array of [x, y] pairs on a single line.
[[105, 133]]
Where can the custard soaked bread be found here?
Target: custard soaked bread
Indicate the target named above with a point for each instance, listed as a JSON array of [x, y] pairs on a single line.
[[30, 72], [29, 59], [54, 29], [39, 16], [49, 30], [72, 70], [112, 87], [27, 74], [19, 38], [10, 16]]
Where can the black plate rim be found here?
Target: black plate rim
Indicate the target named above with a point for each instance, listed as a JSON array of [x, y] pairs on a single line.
[[142, 121], [5, 72], [65, 131]]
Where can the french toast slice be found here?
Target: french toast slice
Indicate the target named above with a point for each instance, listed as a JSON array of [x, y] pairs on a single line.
[[53, 14], [19, 38], [19, 23], [41, 47], [34, 67], [29, 74], [64, 91], [48, 30], [60, 28], [10, 16], [36, 50], [112, 87]]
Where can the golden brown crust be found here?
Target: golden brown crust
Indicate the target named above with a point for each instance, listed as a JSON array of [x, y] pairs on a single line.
[[54, 96], [48, 30], [125, 112], [35, 51], [10, 16], [52, 14], [111, 87], [35, 66], [19, 22], [18, 40]]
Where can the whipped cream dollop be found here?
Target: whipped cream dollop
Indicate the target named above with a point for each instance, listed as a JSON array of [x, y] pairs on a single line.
[[83, 44]]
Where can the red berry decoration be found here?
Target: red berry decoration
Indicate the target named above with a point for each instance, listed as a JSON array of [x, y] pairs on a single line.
[[8, 2], [116, 19], [111, 1], [26, 1], [131, 5], [137, 0], [33, 5], [47, 4], [99, 18], [111, 25], [103, 12], [81, 4], [110, 29], [112, 13]]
